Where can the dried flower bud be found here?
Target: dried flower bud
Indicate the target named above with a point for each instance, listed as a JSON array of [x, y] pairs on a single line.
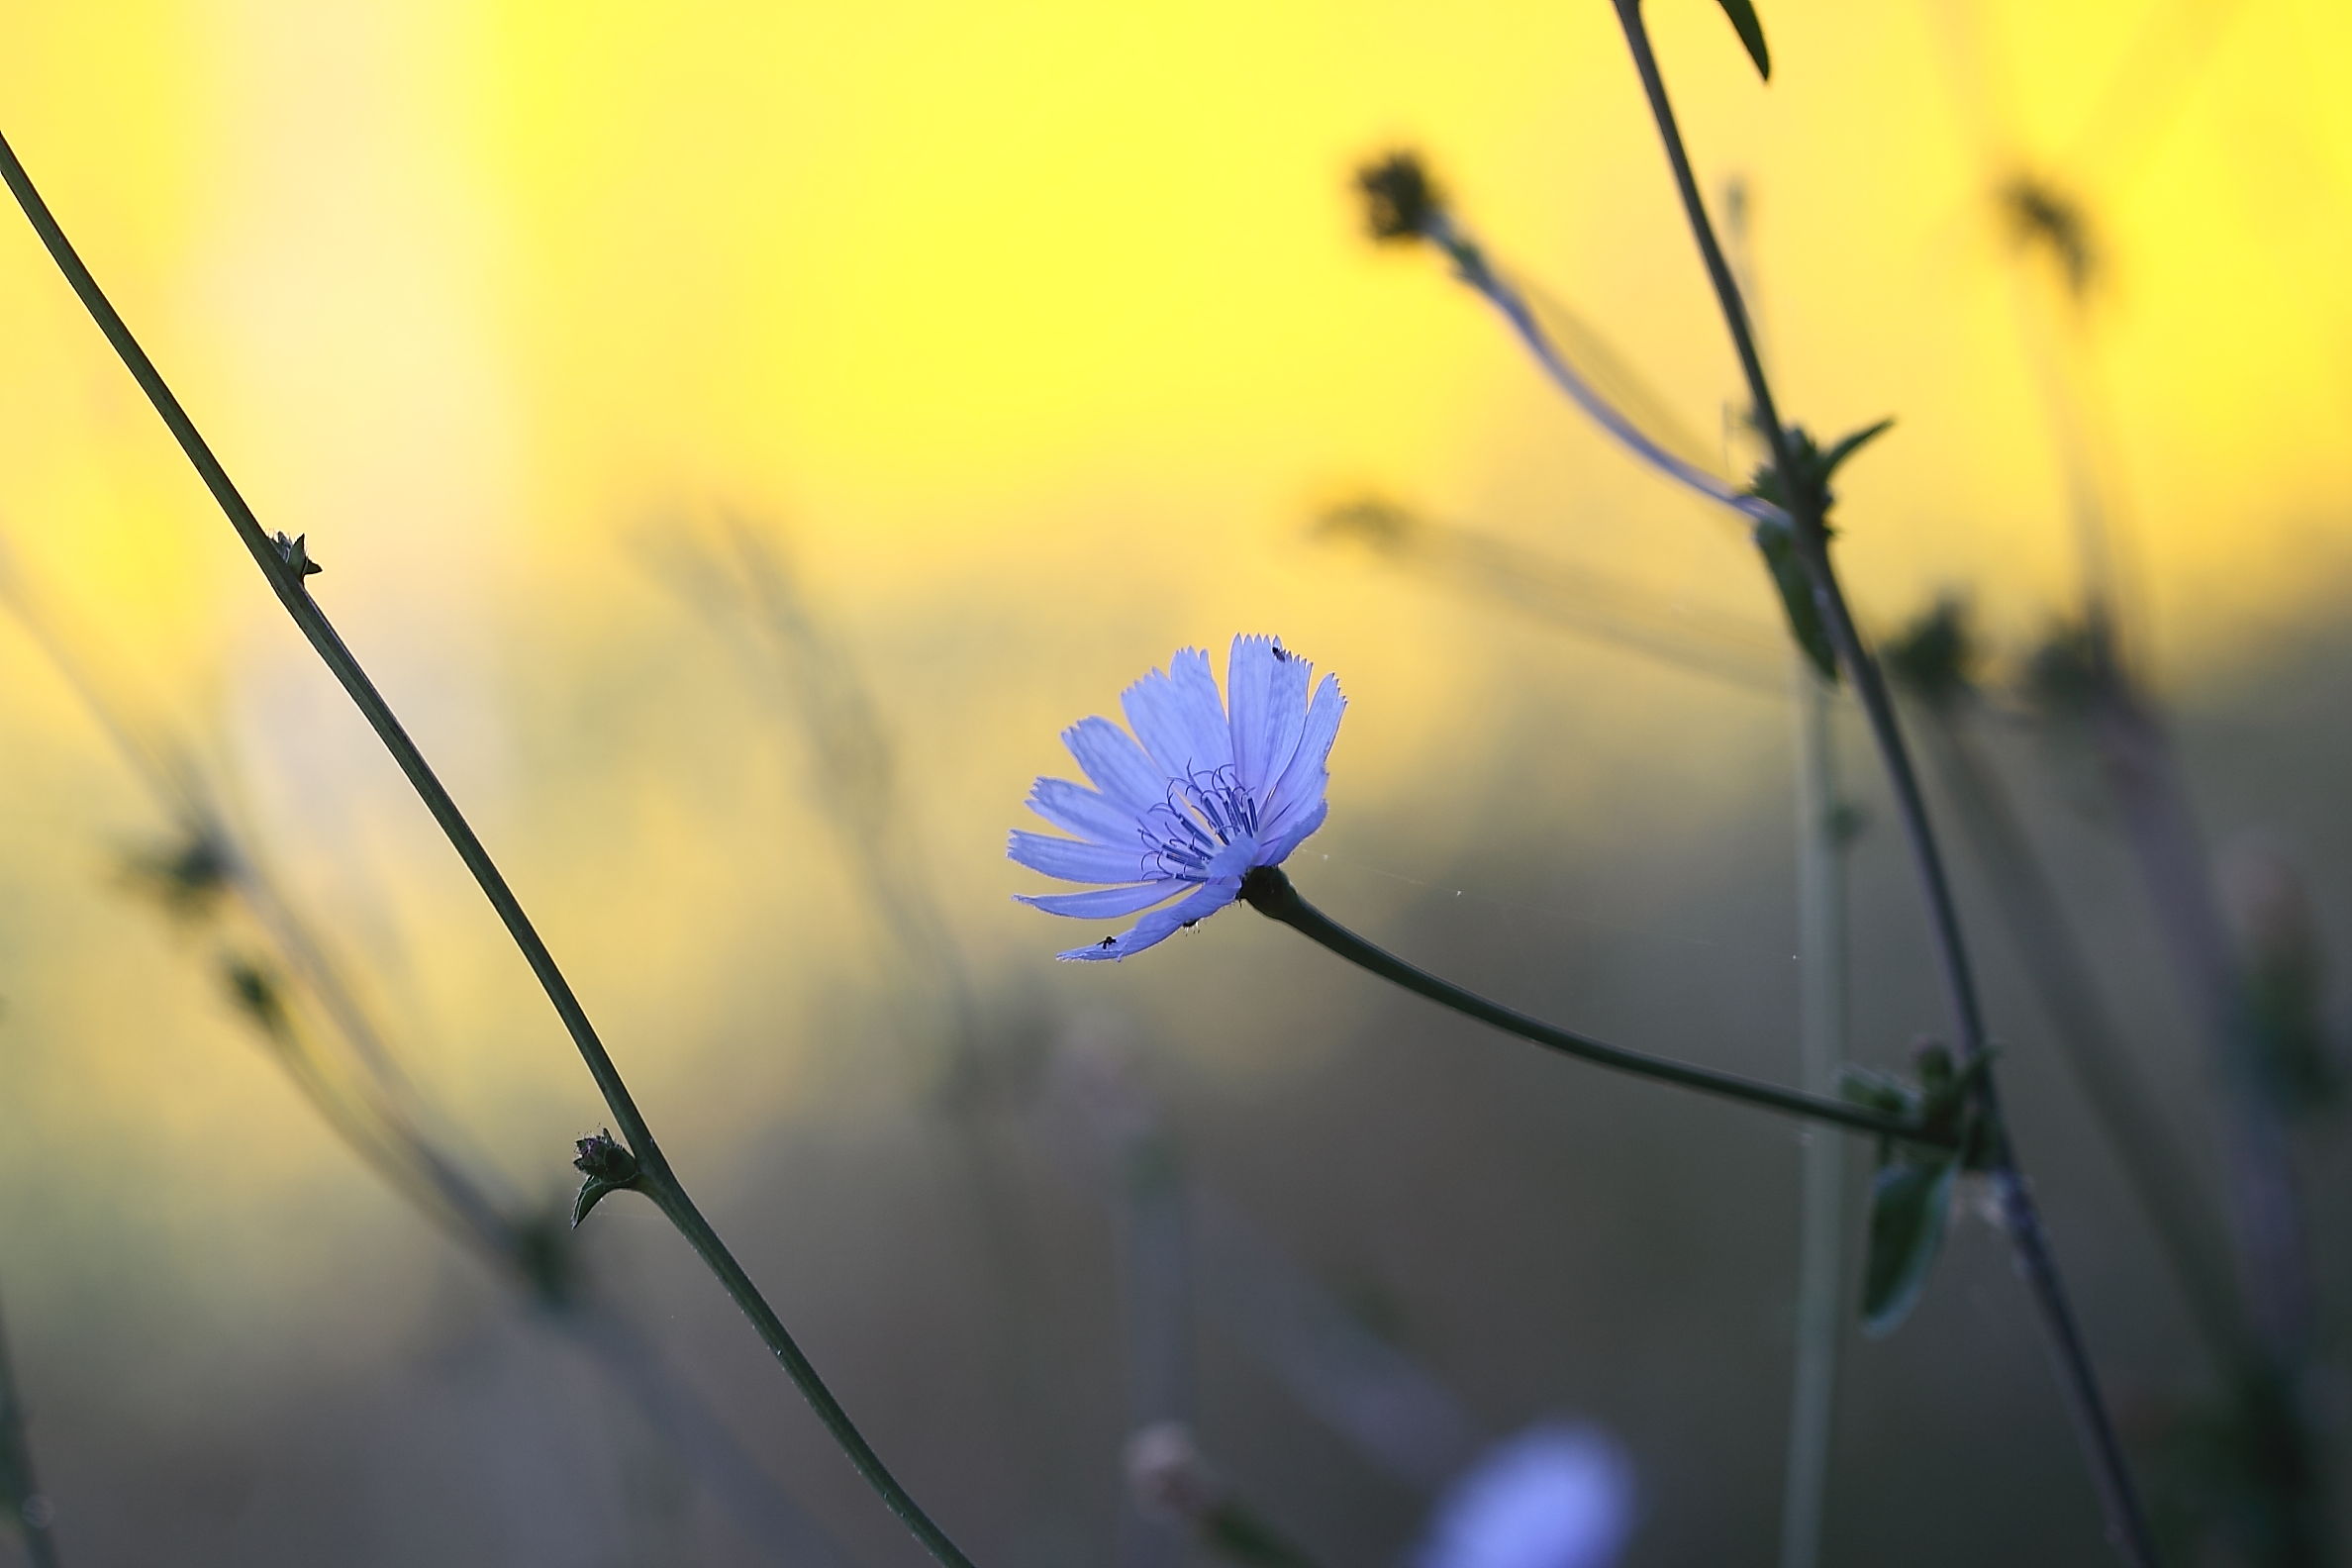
[[608, 1166], [604, 1157], [256, 995], [1934, 659], [2070, 674], [1401, 201], [1370, 520], [2041, 215], [188, 877], [295, 552]]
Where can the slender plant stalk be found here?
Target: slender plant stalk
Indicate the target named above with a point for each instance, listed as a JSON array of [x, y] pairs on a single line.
[[2126, 1519], [282, 568], [378, 1118], [1269, 891], [1155, 1267], [1821, 1045], [765, 1515], [19, 1487], [2091, 1044], [2160, 823], [746, 585], [1825, 831]]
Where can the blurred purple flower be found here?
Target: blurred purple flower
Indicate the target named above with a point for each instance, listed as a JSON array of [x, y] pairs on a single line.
[[1559, 1495], [1205, 796]]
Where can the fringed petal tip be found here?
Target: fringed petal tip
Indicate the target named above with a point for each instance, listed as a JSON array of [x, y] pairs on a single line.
[[1197, 789]]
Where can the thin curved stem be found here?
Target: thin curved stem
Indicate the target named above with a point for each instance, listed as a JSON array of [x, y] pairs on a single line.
[[2127, 1524], [281, 569], [679, 1209], [1481, 276], [1269, 891]]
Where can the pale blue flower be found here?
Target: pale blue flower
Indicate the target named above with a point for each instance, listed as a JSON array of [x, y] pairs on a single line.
[[1558, 1495], [1194, 800]]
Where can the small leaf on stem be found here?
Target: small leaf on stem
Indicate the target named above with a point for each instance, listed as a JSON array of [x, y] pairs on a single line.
[[1909, 1201], [608, 1166], [1751, 32], [1795, 588], [295, 552]]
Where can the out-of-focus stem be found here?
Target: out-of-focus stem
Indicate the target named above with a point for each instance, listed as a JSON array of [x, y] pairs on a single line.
[[1156, 1296], [1270, 892], [375, 1118], [2161, 824], [22, 1488], [2128, 1522], [769, 1520], [2090, 1043], [856, 781], [1821, 1045], [286, 578]]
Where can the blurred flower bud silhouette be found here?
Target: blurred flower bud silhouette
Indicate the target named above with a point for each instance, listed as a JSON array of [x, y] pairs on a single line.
[[1401, 201]]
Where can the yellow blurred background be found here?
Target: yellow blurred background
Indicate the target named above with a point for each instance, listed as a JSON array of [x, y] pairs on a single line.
[[1040, 332]]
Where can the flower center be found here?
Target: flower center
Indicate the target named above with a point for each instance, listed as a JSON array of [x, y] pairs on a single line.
[[1205, 828]]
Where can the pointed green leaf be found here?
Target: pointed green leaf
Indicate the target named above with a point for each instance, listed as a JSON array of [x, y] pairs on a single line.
[[1852, 445], [608, 1166], [1909, 1202], [1796, 598], [1751, 32]]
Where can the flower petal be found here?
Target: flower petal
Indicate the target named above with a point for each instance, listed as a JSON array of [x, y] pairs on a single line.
[[1116, 763], [1079, 810], [1249, 681], [1074, 860], [1293, 834], [1162, 924], [1102, 902], [1179, 718], [1305, 777], [1285, 718]]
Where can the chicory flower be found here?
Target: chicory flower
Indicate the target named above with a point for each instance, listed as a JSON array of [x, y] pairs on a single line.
[[1206, 789]]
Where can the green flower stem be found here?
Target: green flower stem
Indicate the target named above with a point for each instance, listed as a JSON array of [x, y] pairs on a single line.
[[285, 579], [2127, 1524], [1269, 891], [1821, 1306]]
